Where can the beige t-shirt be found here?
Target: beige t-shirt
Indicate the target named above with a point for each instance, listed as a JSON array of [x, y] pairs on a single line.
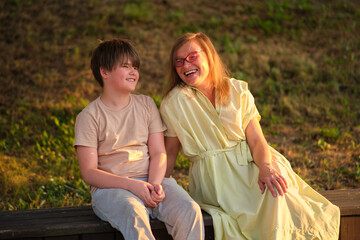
[[120, 136]]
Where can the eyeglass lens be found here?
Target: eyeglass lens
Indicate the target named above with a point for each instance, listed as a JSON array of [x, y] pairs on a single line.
[[179, 62]]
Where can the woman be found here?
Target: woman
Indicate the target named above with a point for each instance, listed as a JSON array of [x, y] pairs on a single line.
[[247, 187]]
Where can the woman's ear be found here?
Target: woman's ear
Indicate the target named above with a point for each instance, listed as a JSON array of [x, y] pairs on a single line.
[[104, 72]]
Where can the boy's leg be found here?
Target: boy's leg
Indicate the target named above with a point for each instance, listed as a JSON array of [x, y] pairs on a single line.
[[124, 211], [180, 213]]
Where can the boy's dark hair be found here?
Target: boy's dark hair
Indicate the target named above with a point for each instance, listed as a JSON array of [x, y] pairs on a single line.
[[108, 54]]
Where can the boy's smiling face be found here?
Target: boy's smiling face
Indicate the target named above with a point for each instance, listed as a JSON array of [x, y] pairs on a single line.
[[123, 78]]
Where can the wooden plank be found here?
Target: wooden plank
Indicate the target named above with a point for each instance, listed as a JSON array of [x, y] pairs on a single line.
[[47, 213], [348, 200], [62, 220], [207, 219], [72, 237], [32, 238], [209, 232], [119, 236], [97, 236], [350, 228], [161, 234], [51, 222]]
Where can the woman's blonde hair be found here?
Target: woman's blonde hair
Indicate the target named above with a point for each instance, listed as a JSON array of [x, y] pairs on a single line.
[[218, 72]]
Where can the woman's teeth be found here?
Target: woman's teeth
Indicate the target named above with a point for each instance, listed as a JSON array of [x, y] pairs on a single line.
[[190, 72]]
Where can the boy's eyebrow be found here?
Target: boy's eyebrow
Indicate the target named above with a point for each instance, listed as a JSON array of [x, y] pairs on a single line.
[[125, 63]]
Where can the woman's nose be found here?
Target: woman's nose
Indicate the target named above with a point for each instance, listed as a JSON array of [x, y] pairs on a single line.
[[186, 63]]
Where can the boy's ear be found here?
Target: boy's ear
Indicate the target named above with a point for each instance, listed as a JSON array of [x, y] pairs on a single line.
[[104, 72]]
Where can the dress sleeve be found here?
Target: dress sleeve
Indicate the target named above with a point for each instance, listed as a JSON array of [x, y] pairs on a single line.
[[249, 108], [236, 115], [168, 118]]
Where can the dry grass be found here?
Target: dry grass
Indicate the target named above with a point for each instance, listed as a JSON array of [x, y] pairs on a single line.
[[300, 58]]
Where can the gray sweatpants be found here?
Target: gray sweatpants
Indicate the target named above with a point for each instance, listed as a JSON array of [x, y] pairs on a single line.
[[127, 213]]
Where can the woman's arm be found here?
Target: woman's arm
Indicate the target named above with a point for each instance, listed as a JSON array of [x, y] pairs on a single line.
[[260, 151], [172, 145], [92, 175]]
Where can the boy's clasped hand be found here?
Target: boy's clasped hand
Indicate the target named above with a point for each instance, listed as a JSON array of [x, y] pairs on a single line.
[[150, 194]]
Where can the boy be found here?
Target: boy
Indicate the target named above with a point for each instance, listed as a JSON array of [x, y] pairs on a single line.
[[120, 147]]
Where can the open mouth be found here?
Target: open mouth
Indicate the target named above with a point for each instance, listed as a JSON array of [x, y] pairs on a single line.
[[131, 79], [190, 72]]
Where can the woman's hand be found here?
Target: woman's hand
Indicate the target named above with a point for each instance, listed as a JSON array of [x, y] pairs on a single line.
[[269, 177], [143, 190], [157, 194]]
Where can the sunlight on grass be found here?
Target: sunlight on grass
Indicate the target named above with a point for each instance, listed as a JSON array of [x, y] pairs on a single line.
[[300, 59]]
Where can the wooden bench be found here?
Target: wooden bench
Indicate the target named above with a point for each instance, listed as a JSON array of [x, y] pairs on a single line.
[[80, 223], [73, 223]]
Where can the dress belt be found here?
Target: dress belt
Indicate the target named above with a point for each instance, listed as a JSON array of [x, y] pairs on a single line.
[[240, 151]]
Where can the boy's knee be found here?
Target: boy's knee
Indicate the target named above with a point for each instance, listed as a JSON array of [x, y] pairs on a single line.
[[189, 223], [193, 205], [193, 209], [132, 207]]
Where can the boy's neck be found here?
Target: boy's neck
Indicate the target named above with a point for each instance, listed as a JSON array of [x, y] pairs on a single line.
[[117, 102]]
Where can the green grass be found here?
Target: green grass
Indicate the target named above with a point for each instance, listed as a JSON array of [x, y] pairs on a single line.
[[300, 58]]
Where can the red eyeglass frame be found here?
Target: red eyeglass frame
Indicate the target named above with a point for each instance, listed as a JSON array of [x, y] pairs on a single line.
[[179, 62]]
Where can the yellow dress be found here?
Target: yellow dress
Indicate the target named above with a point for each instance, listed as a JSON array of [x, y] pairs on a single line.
[[223, 176]]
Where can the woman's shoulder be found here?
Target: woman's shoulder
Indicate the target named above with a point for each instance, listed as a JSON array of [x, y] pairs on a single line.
[[238, 85], [178, 93]]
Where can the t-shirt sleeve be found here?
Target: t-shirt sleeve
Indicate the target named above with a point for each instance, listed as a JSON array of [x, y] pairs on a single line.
[[86, 130], [155, 124]]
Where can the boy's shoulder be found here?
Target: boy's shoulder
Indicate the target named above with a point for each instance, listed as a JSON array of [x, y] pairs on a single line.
[[138, 101], [142, 99], [91, 107]]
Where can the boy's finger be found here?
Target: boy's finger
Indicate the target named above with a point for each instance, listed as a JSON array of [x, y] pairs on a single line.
[[150, 187], [151, 202]]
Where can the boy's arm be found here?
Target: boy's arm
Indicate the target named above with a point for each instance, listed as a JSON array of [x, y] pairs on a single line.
[[92, 175], [157, 166], [157, 158], [172, 145]]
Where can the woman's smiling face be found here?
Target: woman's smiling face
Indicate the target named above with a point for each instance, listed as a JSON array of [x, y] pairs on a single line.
[[195, 70]]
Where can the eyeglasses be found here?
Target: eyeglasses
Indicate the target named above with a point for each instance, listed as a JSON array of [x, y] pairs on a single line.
[[191, 57]]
